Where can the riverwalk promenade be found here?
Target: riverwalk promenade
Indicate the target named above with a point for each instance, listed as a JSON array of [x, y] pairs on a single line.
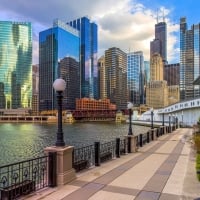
[[163, 169]]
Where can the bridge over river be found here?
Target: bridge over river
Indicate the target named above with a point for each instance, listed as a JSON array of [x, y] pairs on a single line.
[[187, 112]]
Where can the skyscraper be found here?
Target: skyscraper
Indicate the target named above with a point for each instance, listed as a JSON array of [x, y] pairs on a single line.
[[135, 77], [116, 77], [102, 77], [88, 56], [156, 68], [159, 44], [58, 47], [189, 60], [15, 64], [172, 74]]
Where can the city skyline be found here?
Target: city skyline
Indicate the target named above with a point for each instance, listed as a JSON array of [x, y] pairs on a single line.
[[127, 24]]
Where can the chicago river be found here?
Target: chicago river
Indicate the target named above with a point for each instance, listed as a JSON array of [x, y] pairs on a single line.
[[22, 141]]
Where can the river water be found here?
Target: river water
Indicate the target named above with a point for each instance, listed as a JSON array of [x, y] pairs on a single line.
[[21, 141]]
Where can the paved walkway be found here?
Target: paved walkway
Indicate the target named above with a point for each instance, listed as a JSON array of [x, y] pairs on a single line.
[[161, 170]]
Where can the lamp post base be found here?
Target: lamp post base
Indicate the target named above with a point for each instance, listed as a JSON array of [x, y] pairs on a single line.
[[65, 173], [132, 143]]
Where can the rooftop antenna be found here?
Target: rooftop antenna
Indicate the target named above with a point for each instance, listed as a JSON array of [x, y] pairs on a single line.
[[157, 16], [163, 15]]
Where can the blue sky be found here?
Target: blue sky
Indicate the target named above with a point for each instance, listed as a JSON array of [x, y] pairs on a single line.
[[127, 24]]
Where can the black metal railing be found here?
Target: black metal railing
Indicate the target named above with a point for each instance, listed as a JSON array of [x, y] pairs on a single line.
[[107, 151], [83, 157], [23, 177]]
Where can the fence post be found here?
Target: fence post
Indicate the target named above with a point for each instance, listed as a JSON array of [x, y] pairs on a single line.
[[52, 162], [141, 142], [148, 140], [97, 153], [129, 144], [117, 147]]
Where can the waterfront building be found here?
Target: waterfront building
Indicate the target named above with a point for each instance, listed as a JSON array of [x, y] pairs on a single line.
[[172, 74], [159, 44], [116, 77], [93, 104], [102, 77], [156, 67], [35, 89], [157, 94], [189, 60], [15, 65], [88, 56], [69, 69], [58, 48], [173, 94], [135, 77]]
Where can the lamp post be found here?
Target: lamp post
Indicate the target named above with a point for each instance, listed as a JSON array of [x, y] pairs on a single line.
[[170, 123], [174, 122], [152, 127], [130, 107], [182, 118], [59, 86], [163, 119]]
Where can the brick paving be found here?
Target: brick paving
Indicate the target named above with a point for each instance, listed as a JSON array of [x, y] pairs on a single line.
[[161, 170]]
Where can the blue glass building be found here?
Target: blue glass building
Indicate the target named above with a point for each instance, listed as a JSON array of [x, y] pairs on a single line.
[[15, 65], [88, 58], [189, 60], [135, 77], [59, 57]]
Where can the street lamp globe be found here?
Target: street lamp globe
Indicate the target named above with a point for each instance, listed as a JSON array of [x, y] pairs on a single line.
[[59, 85], [130, 105]]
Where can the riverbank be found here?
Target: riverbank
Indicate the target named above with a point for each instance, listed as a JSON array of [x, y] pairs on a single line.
[[163, 169]]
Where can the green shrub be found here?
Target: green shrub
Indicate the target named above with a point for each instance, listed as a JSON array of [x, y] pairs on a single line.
[[197, 143], [198, 165]]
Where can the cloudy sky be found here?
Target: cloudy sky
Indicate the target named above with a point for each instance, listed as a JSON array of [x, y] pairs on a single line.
[[127, 24]]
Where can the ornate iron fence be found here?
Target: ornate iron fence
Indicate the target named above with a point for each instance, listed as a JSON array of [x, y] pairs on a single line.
[[23, 177], [107, 151], [83, 157]]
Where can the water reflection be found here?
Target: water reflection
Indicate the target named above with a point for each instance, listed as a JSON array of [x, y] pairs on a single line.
[[19, 141]]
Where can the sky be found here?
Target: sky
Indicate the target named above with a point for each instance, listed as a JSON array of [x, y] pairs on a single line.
[[126, 24]]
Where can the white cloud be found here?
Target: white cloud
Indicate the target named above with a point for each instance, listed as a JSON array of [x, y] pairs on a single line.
[[125, 24]]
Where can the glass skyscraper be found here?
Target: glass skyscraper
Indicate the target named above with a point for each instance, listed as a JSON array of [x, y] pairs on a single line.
[[189, 60], [116, 77], [15, 65], [135, 77], [159, 44], [59, 57], [88, 56]]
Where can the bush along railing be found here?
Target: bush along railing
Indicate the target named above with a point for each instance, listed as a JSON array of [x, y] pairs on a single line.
[[83, 157], [24, 177]]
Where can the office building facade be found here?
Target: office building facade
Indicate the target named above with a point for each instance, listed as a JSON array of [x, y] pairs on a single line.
[[189, 60], [88, 59], [116, 77], [159, 44], [157, 94], [15, 65], [58, 47], [156, 67], [35, 89], [172, 74], [135, 77], [102, 77]]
